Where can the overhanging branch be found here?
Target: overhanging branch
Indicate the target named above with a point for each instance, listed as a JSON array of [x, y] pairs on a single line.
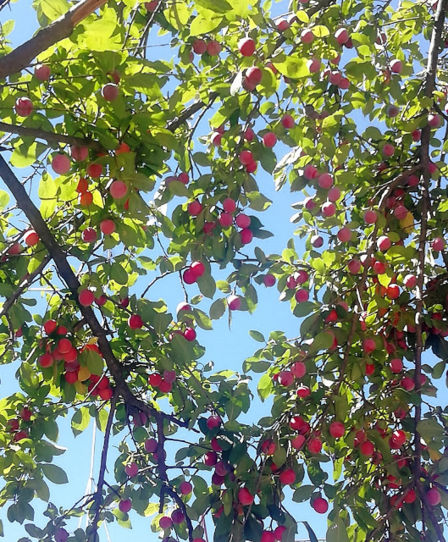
[[60, 29], [49, 137]]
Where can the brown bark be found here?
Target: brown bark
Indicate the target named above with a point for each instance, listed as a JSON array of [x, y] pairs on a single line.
[[60, 29]]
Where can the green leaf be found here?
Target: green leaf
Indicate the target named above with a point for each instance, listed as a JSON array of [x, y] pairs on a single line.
[[177, 15], [118, 274], [34, 531], [220, 6], [80, 420], [256, 335], [303, 493], [51, 429], [265, 386], [207, 285], [258, 201], [100, 33], [337, 532], [432, 432], [25, 155], [202, 319], [291, 66], [4, 199], [322, 341], [54, 473], [205, 22], [93, 360], [217, 309]]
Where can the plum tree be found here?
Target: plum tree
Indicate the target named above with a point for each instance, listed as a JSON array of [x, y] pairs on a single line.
[[132, 180]]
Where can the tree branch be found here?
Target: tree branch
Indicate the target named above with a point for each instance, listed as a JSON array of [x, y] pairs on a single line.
[[93, 534], [50, 137], [60, 29], [23, 285], [430, 79]]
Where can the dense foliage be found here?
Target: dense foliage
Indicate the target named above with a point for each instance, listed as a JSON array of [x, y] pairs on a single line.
[[140, 170]]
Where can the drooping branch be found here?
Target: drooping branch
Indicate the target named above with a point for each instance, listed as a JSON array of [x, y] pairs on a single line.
[[46, 37], [50, 137]]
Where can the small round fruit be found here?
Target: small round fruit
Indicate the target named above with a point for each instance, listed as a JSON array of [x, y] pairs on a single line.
[[177, 516], [396, 365], [94, 170], [254, 75], [287, 477], [229, 204], [287, 121], [438, 244], [79, 152], [370, 217], [118, 189], [189, 276], [194, 208], [42, 72], [61, 164], [234, 302], [199, 46], [245, 497], [269, 280], [89, 235], [320, 505], [396, 66], [341, 36], [344, 234], [433, 497], [410, 281], [328, 209], [246, 236], [185, 488], [31, 238], [366, 448], [198, 268], [125, 505], [213, 48], [23, 107], [269, 139], [107, 226], [337, 429], [189, 334], [86, 297], [301, 295], [110, 92], [46, 360], [151, 445], [165, 522], [135, 321], [242, 221], [246, 46]]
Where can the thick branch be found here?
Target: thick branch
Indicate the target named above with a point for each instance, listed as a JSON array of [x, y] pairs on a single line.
[[50, 137], [64, 269], [46, 37]]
